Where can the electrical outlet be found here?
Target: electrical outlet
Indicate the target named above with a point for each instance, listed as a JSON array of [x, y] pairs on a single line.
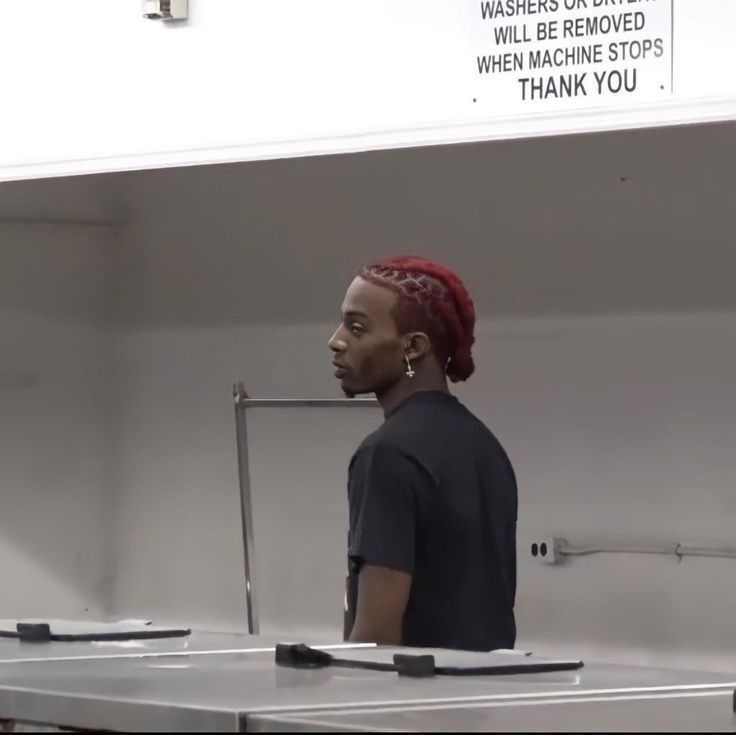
[[546, 549]]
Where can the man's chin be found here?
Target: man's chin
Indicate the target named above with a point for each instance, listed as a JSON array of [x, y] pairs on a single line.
[[351, 391]]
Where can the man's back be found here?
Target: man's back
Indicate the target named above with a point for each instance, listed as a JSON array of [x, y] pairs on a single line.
[[432, 493]]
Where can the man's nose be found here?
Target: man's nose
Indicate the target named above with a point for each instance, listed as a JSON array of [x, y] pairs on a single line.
[[336, 344]]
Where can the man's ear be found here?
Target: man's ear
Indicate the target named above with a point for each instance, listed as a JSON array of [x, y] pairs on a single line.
[[417, 345]]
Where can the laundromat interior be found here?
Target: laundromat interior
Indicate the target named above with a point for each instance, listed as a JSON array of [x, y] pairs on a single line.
[[222, 510], [602, 268]]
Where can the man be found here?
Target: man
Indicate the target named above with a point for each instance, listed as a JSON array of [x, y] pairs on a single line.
[[432, 494]]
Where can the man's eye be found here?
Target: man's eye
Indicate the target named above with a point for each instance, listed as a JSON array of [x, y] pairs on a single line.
[[357, 329]]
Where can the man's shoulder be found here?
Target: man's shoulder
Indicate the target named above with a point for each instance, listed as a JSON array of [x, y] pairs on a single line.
[[385, 441], [414, 434]]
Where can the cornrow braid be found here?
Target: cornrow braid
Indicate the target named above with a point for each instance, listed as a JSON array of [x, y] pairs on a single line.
[[434, 299]]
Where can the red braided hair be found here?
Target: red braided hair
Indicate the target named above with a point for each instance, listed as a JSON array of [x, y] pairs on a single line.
[[433, 299]]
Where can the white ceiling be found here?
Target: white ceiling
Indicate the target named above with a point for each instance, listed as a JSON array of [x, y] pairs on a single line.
[[616, 222]]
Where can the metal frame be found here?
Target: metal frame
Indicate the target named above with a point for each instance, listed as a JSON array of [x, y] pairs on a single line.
[[242, 403]]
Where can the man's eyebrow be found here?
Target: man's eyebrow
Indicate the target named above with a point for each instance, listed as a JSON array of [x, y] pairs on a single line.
[[355, 312]]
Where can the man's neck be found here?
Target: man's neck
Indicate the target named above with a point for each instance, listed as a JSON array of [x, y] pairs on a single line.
[[396, 394]]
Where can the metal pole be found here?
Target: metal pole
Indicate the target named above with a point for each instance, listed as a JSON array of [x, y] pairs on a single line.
[[246, 506], [247, 402], [243, 402]]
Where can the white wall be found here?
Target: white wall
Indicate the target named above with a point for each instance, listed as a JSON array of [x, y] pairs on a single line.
[[54, 420], [246, 80], [621, 429]]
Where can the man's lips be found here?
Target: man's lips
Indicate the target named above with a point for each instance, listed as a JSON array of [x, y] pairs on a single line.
[[340, 370]]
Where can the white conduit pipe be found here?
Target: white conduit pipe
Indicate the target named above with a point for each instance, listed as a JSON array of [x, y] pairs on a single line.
[[563, 548]]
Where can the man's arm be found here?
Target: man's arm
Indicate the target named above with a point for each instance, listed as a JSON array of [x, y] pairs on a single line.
[[382, 598], [383, 520]]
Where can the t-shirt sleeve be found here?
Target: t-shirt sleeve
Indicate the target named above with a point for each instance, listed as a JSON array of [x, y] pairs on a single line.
[[383, 512]]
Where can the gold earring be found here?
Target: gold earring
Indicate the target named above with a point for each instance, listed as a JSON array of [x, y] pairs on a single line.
[[409, 369]]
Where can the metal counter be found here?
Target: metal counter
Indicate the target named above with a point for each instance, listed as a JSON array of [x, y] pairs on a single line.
[[196, 644], [219, 691], [683, 712]]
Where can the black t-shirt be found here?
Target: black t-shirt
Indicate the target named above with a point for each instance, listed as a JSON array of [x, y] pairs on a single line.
[[433, 493]]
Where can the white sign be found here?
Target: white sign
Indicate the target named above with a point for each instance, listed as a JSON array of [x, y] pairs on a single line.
[[534, 55], [263, 79]]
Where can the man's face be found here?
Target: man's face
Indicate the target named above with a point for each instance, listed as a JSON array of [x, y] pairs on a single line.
[[368, 350]]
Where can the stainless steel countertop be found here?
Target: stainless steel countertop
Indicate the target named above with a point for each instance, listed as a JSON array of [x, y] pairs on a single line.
[[198, 643], [703, 712], [217, 691]]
